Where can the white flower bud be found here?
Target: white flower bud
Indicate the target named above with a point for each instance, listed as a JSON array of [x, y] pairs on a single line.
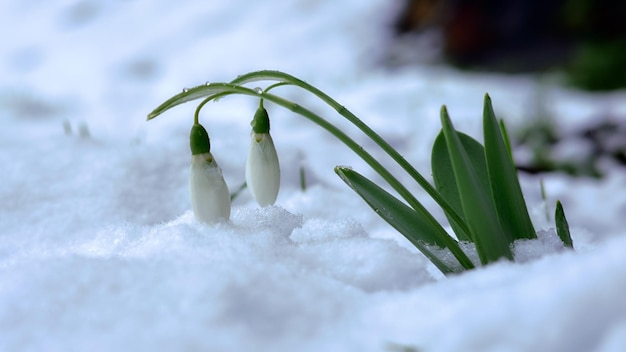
[[210, 198], [262, 169]]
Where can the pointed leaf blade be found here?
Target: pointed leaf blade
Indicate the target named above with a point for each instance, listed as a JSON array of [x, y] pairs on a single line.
[[444, 178], [209, 89], [418, 230], [478, 206], [562, 227], [506, 190], [264, 75], [505, 136], [188, 95]]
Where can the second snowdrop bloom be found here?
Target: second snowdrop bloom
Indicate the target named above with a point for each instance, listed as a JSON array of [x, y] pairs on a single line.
[[262, 167], [210, 198]]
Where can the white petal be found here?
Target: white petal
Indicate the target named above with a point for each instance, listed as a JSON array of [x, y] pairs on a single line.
[[210, 198], [262, 169]]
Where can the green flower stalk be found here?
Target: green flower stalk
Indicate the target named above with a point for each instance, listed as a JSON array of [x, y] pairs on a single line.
[[210, 198], [262, 167]]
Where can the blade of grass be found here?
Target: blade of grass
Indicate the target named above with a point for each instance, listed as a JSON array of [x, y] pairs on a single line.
[[478, 206], [505, 136], [562, 227], [443, 174], [191, 94], [421, 231], [506, 190]]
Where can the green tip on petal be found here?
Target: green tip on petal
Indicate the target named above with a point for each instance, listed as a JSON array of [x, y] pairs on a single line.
[[199, 140], [261, 121]]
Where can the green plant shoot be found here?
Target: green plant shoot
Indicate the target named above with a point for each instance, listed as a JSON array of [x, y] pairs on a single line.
[[475, 185]]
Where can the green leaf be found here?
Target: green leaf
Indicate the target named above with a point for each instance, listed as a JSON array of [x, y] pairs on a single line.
[[562, 227], [188, 95], [218, 89], [506, 190], [265, 75], [478, 207], [420, 230], [507, 140], [443, 174]]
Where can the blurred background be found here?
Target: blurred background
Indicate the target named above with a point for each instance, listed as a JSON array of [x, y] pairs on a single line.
[[582, 42], [98, 65], [584, 39]]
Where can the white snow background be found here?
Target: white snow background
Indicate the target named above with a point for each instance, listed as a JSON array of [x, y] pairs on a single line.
[[99, 250]]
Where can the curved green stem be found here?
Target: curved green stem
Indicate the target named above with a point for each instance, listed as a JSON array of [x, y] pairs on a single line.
[[206, 100], [279, 84]]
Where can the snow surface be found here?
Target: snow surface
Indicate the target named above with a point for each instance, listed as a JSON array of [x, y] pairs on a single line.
[[99, 250]]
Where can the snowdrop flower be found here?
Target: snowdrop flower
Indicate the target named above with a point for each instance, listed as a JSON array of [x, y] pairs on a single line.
[[262, 168], [210, 198]]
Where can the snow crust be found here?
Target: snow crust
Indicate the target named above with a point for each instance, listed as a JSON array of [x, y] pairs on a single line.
[[99, 250]]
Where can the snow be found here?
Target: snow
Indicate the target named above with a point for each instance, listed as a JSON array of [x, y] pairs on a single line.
[[99, 250]]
